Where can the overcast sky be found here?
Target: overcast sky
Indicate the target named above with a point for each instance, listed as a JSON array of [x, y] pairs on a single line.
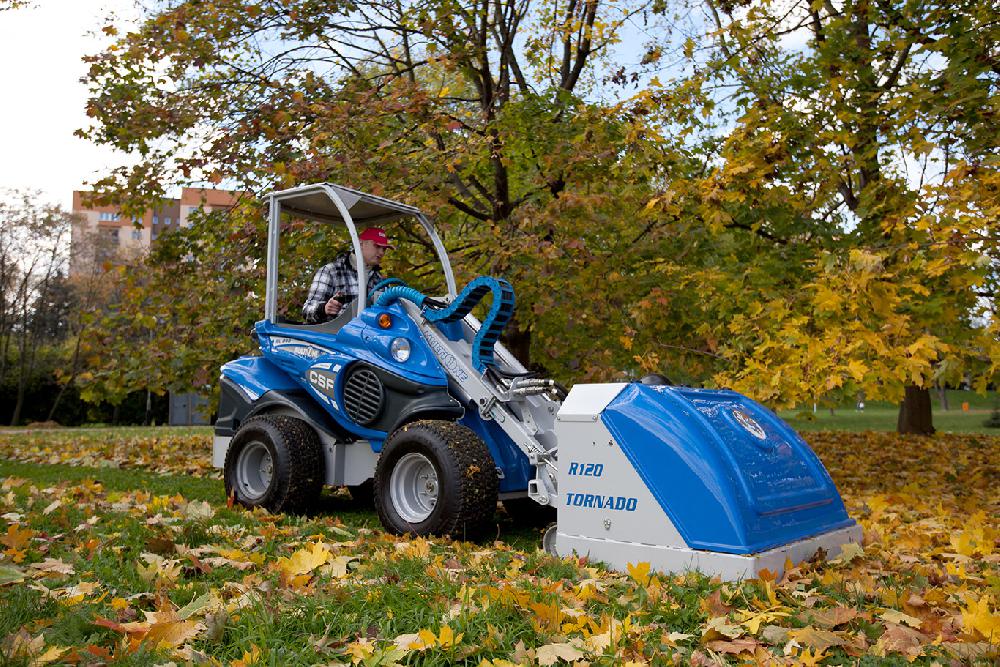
[[43, 99]]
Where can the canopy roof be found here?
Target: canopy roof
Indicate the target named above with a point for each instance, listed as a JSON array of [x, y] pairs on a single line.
[[313, 201]]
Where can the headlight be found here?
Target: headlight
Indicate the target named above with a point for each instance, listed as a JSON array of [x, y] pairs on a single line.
[[400, 349]]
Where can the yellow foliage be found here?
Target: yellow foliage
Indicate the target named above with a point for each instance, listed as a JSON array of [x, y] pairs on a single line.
[[979, 618], [304, 560]]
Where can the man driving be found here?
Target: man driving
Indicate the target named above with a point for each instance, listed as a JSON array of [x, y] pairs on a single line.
[[336, 284]]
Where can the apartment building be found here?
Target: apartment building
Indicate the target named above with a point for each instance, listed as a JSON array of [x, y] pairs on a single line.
[[102, 233]]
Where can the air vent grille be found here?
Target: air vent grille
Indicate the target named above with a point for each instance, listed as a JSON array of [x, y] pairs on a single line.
[[363, 396]]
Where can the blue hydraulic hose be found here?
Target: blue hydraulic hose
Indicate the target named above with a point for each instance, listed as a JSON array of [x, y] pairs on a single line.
[[401, 292], [496, 319]]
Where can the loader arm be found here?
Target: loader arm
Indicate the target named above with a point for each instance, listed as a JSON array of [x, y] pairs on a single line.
[[525, 411]]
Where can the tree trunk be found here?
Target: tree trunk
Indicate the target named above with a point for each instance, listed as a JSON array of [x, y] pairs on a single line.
[[915, 412], [22, 378], [72, 376], [16, 417], [942, 396]]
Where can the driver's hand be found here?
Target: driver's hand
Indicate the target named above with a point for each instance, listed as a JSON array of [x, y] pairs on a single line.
[[333, 306]]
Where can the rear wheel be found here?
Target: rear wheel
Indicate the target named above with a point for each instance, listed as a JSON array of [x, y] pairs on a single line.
[[436, 477], [274, 462], [549, 540]]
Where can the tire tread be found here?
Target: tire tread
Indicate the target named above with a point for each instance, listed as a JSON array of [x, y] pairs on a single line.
[[299, 466], [468, 460]]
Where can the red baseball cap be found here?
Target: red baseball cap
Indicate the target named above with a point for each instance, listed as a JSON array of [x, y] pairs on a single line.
[[376, 234]]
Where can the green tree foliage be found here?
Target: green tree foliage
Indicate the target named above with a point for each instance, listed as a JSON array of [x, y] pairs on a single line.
[[797, 200], [851, 203], [474, 113]]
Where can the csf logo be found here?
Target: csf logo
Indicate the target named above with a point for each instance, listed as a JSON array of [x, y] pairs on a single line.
[[322, 380]]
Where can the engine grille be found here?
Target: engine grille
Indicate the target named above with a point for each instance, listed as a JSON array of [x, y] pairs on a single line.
[[363, 396]]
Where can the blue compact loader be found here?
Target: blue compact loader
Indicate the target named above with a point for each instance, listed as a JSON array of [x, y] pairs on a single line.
[[411, 400]]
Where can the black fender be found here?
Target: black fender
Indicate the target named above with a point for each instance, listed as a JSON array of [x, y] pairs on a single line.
[[235, 407]]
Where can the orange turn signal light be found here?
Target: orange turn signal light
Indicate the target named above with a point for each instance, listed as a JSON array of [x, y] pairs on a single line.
[[385, 320]]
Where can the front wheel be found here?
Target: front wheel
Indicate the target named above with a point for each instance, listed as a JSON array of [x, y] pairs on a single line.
[[436, 478]]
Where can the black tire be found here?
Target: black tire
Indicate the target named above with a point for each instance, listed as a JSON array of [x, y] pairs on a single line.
[[526, 512], [461, 501], [289, 450], [363, 494]]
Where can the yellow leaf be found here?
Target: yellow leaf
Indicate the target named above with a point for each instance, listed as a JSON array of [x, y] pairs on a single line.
[[16, 538], [972, 541], [849, 552], [752, 621], [894, 616], [427, 638], [718, 627], [361, 650], [337, 567], [173, 633], [159, 568], [304, 560], [552, 653], [447, 638], [639, 572], [978, 617], [817, 639], [672, 638], [547, 617], [416, 548], [857, 369], [810, 659], [51, 654]]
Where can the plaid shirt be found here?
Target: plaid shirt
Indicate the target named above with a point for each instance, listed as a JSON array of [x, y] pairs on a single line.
[[340, 275]]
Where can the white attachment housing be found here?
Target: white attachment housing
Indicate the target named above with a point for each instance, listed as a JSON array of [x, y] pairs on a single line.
[[606, 512]]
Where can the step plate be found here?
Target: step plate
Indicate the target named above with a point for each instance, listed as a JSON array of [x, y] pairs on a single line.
[[729, 567]]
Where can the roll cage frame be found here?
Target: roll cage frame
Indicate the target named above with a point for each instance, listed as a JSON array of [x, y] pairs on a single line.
[[336, 204]]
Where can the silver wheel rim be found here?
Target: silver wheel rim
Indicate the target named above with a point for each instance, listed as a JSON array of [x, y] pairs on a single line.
[[549, 540], [254, 469], [413, 488]]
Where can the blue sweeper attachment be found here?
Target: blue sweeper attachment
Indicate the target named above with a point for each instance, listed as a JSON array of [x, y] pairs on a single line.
[[690, 479]]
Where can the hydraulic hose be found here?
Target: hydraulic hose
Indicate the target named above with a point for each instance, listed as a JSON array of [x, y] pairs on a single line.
[[501, 310]]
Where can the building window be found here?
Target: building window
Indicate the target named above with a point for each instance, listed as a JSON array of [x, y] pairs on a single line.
[[136, 234], [113, 234], [108, 217], [166, 220], [156, 219]]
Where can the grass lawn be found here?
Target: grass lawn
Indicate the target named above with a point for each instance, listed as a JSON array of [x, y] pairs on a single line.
[[119, 547], [882, 416]]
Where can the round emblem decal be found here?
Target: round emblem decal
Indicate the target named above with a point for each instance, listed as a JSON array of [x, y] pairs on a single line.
[[749, 424]]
